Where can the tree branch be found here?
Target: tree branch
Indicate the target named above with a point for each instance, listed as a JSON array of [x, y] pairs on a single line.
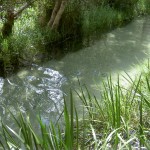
[[16, 14]]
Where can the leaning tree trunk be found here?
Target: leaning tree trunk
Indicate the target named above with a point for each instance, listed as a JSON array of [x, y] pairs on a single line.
[[57, 14], [54, 12]]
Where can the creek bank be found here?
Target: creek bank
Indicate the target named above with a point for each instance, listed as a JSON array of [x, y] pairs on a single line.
[[89, 20], [55, 49]]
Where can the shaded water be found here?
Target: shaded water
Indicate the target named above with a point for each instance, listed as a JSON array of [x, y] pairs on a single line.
[[40, 89]]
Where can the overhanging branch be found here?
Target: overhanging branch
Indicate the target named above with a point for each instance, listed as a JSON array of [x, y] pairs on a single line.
[[16, 14]]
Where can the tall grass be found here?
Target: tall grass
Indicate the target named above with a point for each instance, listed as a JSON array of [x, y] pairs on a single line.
[[104, 16], [100, 18], [122, 114], [54, 136], [119, 120]]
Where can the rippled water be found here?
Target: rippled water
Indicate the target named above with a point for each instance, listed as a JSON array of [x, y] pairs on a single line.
[[40, 89]]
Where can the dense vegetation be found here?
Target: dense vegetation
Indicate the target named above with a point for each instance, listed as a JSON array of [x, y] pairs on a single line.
[[29, 27], [119, 120]]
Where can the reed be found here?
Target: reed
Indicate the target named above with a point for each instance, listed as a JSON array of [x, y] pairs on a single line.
[[118, 120]]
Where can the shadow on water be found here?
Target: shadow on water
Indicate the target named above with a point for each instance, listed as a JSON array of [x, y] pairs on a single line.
[[59, 50], [40, 89], [118, 50]]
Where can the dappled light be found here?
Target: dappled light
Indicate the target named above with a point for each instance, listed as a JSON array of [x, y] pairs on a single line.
[[41, 88]]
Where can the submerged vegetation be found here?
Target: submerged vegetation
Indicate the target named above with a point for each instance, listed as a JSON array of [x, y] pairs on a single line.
[[120, 119], [29, 27]]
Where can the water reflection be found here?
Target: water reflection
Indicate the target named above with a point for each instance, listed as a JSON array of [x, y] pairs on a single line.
[[41, 88]]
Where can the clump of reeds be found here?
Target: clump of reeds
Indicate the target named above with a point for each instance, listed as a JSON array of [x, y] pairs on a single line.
[[119, 120]]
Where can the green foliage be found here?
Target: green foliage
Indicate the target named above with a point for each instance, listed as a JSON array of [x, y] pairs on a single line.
[[119, 118], [5, 53], [143, 7], [52, 137], [110, 14], [80, 18], [119, 113], [101, 18]]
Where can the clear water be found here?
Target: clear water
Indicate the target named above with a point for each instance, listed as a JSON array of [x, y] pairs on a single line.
[[40, 89]]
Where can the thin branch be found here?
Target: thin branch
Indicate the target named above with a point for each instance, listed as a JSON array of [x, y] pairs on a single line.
[[23, 8]]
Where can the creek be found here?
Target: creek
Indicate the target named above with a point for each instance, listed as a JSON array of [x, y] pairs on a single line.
[[40, 88]]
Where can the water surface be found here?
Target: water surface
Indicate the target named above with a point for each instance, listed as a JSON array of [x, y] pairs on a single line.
[[40, 89]]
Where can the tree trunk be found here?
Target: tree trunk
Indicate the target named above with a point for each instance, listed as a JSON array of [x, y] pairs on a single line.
[[59, 14], [8, 25], [10, 17], [54, 12]]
